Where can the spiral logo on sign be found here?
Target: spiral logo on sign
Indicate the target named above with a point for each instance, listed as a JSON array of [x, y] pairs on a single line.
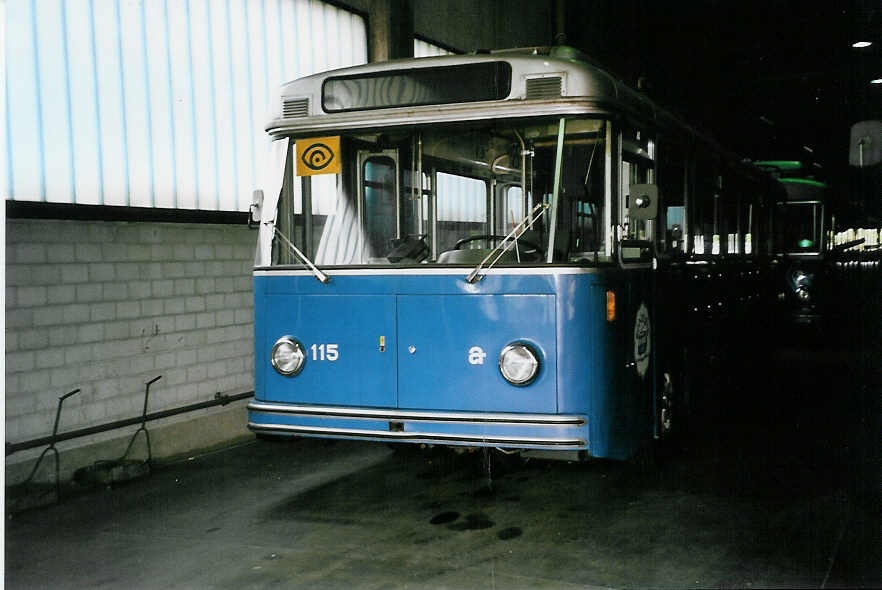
[[317, 157]]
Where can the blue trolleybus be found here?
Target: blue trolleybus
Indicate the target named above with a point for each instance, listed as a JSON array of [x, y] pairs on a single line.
[[508, 249]]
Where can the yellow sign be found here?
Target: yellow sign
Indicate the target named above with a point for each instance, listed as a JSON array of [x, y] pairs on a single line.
[[318, 155]]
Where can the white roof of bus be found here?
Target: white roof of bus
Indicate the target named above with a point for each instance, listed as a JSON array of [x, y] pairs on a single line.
[[585, 89], [578, 80]]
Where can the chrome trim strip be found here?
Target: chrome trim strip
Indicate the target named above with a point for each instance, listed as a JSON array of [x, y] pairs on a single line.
[[473, 111], [416, 416], [534, 271], [416, 436]]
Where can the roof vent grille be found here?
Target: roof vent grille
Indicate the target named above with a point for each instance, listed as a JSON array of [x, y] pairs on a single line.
[[295, 107], [544, 87]]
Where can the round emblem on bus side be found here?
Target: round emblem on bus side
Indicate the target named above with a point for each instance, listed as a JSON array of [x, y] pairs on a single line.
[[642, 341]]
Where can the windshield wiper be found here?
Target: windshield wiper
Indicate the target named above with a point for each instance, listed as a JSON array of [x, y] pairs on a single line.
[[510, 240], [319, 275]]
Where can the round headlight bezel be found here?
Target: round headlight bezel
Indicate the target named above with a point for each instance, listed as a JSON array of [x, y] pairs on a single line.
[[531, 353], [297, 348]]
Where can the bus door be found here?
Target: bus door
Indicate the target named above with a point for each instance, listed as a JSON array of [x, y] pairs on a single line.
[[672, 312]]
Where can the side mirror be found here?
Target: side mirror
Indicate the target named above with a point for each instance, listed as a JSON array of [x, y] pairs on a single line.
[[254, 211], [643, 201]]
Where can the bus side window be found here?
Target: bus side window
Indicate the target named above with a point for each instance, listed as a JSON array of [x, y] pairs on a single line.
[[728, 218], [671, 182], [637, 168], [704, 202]]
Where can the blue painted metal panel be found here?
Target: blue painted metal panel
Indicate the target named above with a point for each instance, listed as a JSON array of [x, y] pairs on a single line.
[[588, 361], [622, 418], [443, 372], [360, 375], [582, 342]]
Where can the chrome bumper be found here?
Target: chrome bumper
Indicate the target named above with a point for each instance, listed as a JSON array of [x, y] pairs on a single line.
[[529, 431]]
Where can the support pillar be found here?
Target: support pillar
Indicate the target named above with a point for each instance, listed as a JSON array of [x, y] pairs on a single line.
[[391, 29]]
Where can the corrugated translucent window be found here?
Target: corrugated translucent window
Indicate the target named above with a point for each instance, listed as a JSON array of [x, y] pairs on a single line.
[[426, 49], [157, 104]]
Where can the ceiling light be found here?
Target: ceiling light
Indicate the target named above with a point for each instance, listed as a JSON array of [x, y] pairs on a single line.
[[876, 81], [861, 44]]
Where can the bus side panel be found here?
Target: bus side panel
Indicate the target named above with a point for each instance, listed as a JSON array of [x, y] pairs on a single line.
[[584, 342], [622, 413], [261, 355]]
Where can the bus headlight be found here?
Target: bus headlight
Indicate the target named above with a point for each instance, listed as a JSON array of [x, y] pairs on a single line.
[[287, 356], [518, 363]]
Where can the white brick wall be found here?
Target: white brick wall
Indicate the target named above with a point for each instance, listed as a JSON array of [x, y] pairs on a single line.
[[106, 306]]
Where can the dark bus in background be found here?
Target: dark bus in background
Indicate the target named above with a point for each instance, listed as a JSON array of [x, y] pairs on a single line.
[[800, 244]]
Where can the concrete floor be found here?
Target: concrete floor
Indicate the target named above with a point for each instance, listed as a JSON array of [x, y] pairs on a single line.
[[773, 499]]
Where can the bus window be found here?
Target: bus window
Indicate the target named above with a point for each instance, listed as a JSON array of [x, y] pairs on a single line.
[[462, 210], [309, 232], [415, 201], [323, 195], [745, 189], [798, 227], [728, 221], [581, 229], [511, 208], [637, 168], [584, 194], [705, 203], [289, 213], [361, 214], [634, 172], [672, 183], [380, 205]]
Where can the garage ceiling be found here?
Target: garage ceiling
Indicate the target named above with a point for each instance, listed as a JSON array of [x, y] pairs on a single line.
[[772, 80]]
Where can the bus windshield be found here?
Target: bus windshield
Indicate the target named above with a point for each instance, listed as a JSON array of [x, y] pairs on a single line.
[[799, 227], [449, 194]]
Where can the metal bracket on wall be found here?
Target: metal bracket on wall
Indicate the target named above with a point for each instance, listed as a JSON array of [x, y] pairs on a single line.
[[143, 426], [52, 448]]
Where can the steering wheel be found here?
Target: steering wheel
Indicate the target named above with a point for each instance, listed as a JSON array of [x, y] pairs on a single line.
[[531, 247]]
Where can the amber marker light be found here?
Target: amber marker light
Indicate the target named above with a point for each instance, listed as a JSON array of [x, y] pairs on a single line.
[[610, 305]]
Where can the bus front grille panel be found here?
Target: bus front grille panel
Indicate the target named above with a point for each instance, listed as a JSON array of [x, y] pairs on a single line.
[[544, 87], [293, 108]]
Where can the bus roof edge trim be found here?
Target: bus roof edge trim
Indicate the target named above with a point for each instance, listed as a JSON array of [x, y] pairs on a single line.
[[806, 181], [400, 116]]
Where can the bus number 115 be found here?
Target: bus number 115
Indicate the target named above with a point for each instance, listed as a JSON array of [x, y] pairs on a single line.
[[324, 352]]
